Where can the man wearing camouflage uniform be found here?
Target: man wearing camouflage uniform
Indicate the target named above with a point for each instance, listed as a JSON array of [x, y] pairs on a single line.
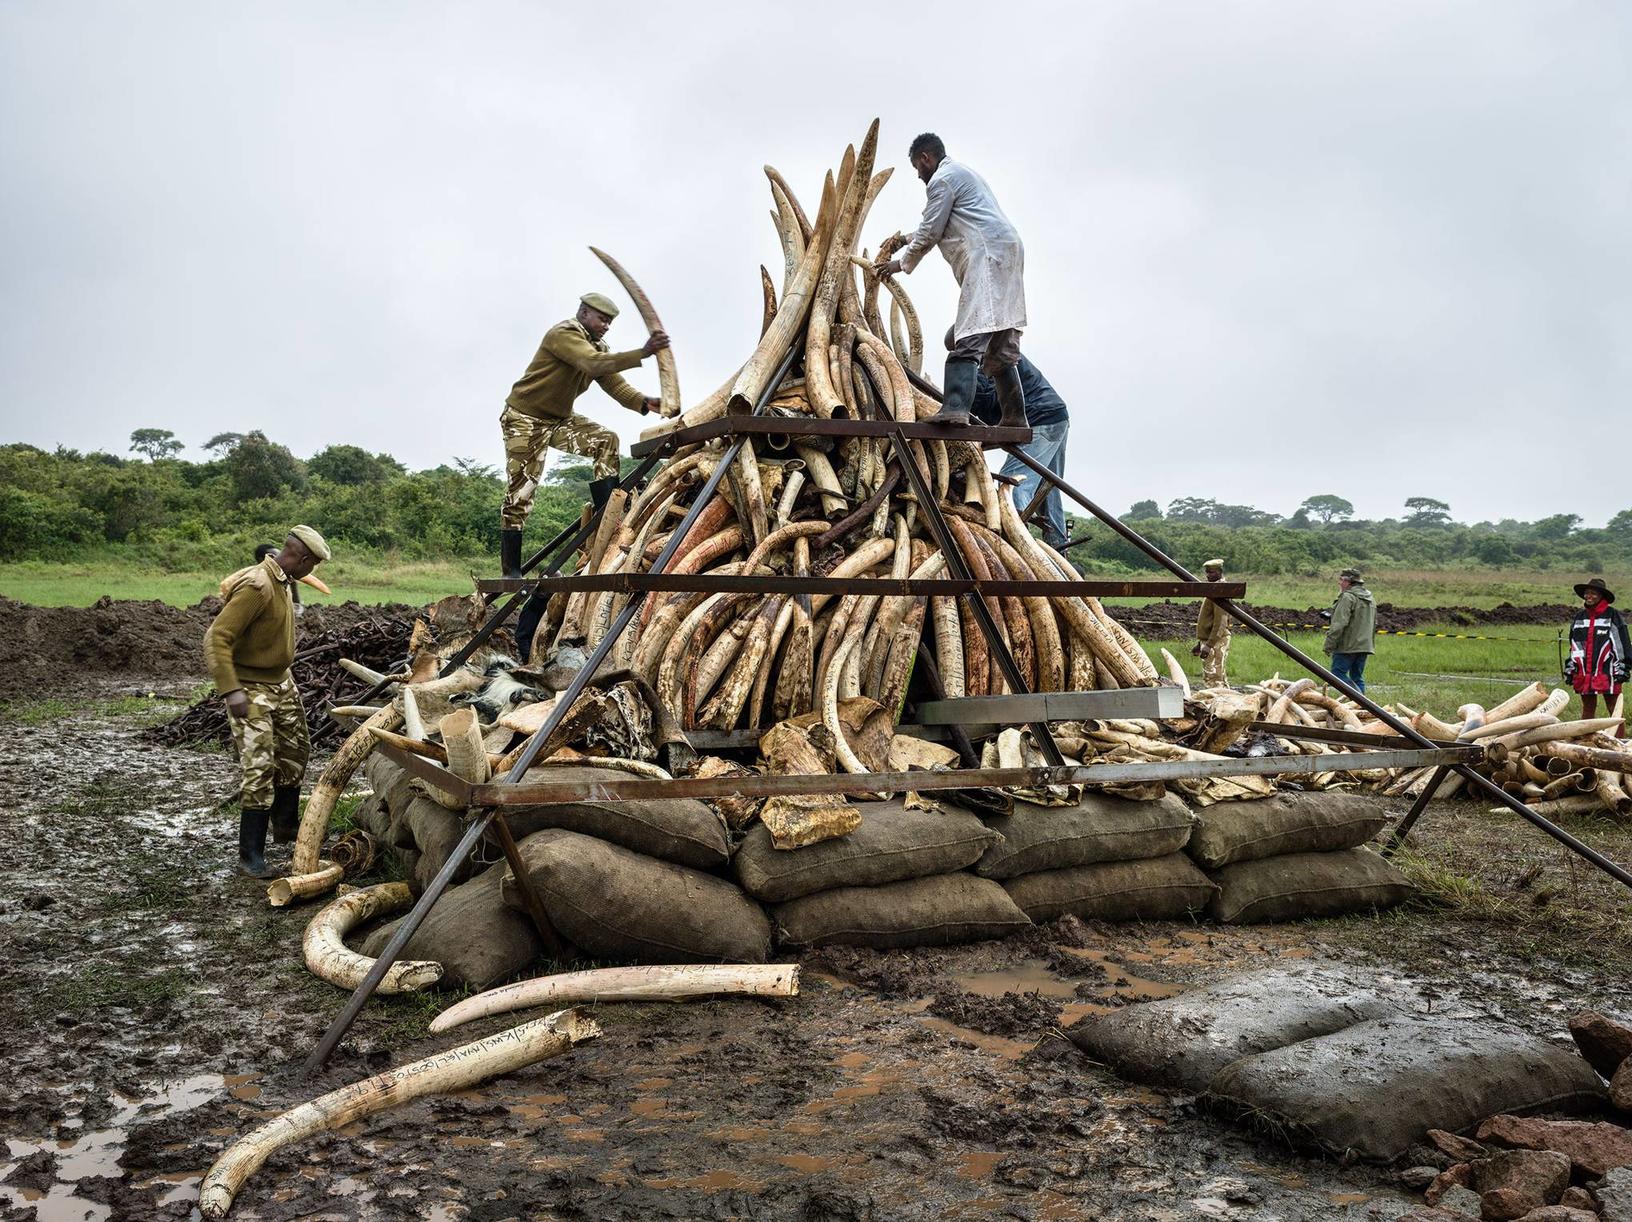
[[249, 648], [1213, 633], [538, 414]]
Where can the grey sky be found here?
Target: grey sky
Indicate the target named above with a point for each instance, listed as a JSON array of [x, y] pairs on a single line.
[[1273, 249]]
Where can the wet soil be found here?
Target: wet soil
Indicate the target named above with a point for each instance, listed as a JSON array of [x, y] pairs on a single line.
[[155, 1009]]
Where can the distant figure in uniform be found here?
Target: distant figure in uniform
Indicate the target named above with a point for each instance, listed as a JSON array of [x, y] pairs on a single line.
[[1213, 633], [988, 261], [1353, 625], [249, 648], [1050, 423], [1599, 650], [538, 413]]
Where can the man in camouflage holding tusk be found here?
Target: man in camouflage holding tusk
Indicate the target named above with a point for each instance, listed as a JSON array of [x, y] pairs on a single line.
[[249, 648], [538, 413], [1213, 633]]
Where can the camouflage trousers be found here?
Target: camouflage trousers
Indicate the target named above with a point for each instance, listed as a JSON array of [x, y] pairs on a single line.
[[1212, 666], [525, 440], [272, 742]]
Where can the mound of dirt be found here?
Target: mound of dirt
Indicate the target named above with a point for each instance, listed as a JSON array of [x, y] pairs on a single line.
[[51, 649]]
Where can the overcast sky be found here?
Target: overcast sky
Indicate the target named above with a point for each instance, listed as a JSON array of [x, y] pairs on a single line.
[[1273, 249]]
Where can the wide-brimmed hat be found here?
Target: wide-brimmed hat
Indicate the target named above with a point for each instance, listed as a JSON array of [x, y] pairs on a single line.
[[1595, 583]]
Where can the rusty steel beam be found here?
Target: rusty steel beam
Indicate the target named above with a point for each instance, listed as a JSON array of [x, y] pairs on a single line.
[[742, 583], [837, 426], [1352, 738], [544, 792]]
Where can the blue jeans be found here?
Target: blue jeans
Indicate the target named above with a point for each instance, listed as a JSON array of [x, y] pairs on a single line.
[[1351, 668], [1047, 446]]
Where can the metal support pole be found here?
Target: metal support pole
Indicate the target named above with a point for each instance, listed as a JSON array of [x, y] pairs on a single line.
[[1485, 784], [563, 705], [1415, 813]]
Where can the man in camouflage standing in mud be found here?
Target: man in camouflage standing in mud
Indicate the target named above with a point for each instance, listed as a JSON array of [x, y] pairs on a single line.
[[249, 648], [538, 414], [1213, 633]]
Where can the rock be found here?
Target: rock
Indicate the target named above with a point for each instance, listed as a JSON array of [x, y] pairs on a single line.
[[1594, 1147], [1559, 1213], [1452, 1177], [1614, 1195], [1431, 1215], [1603, 1041], [1578, 1198], [1418, 1178], [1620, 1086], [1460, 1200], [1515, 1182], [1459, 1148]]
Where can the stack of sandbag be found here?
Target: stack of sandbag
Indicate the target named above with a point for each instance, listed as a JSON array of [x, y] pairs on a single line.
[[1104, 858], [901, 878], [1328, 1058], [422, 832], [1294, 855]]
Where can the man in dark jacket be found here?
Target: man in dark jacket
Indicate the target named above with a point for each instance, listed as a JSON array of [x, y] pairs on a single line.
[[1050, 426], [1599, 649], [1353, 625]]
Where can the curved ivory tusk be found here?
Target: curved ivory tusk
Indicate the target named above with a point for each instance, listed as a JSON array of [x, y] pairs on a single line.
[[455, 1069], [768, 290], [314, 821], [329, 958], [1176, 673], [316, 582], [825, 398], [668, 379], [285, 891], [664, 983]]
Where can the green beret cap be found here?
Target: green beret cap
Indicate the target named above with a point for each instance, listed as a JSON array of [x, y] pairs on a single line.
[[312, 541], [1351, 575], [601, 302]]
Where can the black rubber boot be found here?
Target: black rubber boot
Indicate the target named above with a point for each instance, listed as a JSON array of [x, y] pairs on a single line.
[[532, 613], [600, 491], [959, 393], [510, 551], [252, 844], [1012, 399], [285, 814]]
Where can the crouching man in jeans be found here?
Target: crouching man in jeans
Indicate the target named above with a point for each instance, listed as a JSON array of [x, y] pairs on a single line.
[[249, 648], [1354, 624]]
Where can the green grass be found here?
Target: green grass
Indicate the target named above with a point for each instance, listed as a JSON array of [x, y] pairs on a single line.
[[139, 710], [378, 580], [1426, 673]]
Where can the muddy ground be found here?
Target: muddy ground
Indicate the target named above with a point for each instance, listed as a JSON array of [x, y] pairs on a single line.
[[154, 1008]]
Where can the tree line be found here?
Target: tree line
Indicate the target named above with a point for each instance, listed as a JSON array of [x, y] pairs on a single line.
[[55, 505]]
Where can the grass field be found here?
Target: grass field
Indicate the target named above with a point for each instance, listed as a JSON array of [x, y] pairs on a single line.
[[1429, 587], [381, 581], [1435, 674]]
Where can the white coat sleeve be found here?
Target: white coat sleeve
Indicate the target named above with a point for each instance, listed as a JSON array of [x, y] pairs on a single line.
[[937, 210]]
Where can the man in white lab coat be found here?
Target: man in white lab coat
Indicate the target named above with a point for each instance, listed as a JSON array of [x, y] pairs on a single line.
[[988, 261]]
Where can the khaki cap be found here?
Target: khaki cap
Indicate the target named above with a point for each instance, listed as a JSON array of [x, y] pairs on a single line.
[[1351, 575], [1212, 564], [601, 302], [312, 541]]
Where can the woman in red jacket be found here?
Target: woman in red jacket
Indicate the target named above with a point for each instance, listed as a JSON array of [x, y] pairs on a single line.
[[1599, 649]]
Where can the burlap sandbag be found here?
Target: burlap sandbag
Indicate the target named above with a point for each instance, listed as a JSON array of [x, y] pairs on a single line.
[[1182, 1042], [470, 931], [434, 831], [681, 830], [1156, 889], [623, 906], [1286, 823], [1375, 1088], [1099, 828], [933, 911], [891, 843], [1305, 885]]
